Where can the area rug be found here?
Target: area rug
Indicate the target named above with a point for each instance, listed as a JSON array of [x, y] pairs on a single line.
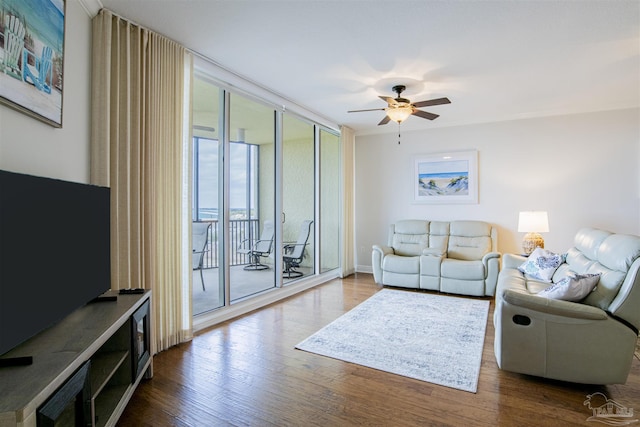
[[433, 338]]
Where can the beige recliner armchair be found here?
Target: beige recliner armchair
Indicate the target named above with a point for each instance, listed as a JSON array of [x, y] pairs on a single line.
[[589, 342]]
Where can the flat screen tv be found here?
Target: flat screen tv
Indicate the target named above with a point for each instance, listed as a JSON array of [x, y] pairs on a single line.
[[54, 252]]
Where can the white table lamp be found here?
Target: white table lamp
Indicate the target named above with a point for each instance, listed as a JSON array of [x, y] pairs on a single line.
[[533, 223]]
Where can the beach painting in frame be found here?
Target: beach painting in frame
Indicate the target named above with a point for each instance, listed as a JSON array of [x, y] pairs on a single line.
[[446, 178], [31, 57]]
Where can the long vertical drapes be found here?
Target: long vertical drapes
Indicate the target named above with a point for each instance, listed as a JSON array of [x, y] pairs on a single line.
[[138, 90]]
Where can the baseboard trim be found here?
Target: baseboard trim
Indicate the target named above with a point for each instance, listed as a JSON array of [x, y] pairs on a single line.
[[364, 269]]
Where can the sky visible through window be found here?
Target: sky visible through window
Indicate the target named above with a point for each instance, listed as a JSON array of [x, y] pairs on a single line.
[[208, 179]]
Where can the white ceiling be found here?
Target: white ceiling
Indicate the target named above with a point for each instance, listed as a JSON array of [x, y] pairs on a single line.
[[495, 60]]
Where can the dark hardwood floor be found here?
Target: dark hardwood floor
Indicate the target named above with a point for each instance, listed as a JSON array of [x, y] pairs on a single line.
[[246, 372]]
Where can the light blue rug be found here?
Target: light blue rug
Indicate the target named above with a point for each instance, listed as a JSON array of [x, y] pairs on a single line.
[[433, 338]]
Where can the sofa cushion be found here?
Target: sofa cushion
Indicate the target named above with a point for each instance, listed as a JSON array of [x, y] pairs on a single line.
[[588, 240], [466, 270], [439, 236], [618, 251], [410, 237], [468, 248], [401, 264], [607, 289], [611, 255], [470, 228], [574, 261], [541, 264], [411, 226], [575, 287], [469, 240]]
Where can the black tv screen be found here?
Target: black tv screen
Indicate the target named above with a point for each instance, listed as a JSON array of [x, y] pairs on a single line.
[[54, 252]]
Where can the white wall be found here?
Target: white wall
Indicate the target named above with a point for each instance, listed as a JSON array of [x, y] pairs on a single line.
[[30, 146], [582, 169]]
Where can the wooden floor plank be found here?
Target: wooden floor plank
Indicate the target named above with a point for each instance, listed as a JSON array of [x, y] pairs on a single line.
[[246, 372]]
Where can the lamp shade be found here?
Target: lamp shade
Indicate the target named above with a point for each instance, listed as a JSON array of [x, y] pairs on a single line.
[[399, 114], [533, 221]]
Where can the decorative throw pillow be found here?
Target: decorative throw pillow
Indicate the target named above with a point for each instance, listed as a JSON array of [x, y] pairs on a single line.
[[574, 287], [541, 264]]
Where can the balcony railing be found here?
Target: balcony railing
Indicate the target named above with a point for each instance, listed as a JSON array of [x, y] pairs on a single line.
[[239, 231]]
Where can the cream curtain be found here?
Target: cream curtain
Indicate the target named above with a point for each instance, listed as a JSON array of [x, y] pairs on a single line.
[[348, 146], [137, 144]]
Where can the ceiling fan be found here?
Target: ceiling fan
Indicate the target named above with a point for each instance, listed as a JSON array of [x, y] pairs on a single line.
[[399, 108]]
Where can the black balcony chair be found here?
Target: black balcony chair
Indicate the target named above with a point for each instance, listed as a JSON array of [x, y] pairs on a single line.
[[259, 248], [293, 253], [200, 242]]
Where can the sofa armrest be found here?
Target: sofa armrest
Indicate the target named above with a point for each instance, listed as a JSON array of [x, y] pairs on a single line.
[[491, 263], [383, 250], [377, 255], [552, 306], [490, 255]]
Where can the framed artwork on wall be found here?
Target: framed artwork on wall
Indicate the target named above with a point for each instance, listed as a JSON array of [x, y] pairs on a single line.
[[32, 57], [445, 178]]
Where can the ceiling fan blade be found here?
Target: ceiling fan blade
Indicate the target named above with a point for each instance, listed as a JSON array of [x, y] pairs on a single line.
[[389, 100], [384, 121], [360, 111], [438, 101], [425, 115]]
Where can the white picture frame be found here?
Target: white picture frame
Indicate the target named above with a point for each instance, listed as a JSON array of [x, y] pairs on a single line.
[[446, 178], [32, 36]]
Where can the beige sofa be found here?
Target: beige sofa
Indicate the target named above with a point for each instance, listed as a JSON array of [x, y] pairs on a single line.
[[591, 341], [457, 257]]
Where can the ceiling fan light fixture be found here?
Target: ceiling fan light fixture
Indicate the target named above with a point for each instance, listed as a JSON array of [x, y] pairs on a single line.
[[398, 108], [399, 114]]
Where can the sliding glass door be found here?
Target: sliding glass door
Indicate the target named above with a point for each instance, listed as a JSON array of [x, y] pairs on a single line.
[[266, 225], [251, 197], [208, 290], [298, 198]]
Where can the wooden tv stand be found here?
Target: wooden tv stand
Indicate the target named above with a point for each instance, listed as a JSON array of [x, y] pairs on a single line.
[[112, 335]]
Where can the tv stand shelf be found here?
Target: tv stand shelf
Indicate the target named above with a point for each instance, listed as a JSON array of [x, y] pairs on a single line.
[[108, 335], [103, 367]]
